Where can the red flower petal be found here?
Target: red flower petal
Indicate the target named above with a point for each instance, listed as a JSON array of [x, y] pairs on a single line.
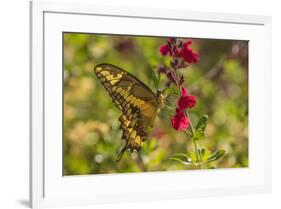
[[186, 102], [183, 91], [179, 121], [191, 101], [188, 42], [164, 49], [188, 54]]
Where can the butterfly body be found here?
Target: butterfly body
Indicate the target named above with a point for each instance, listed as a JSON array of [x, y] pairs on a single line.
[[137, 102]]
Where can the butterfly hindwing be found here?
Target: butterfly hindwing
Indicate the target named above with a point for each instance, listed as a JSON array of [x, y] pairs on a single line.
[[136, 101]]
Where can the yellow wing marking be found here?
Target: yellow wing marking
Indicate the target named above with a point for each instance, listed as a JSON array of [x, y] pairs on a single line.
[[122, 92], [133, 134], [104, 73], [138, 102], [119, 90], [114, 77], [98, 69], [112, 82], [138, 140]]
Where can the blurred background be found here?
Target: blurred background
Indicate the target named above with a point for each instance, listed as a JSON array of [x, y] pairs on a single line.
[[92, 138]]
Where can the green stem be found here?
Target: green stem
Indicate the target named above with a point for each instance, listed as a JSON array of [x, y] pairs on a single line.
[[197, 153], [190, 123], [198, 157]]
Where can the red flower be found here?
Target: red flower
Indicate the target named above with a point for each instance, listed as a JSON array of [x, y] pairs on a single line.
[[164, 49], [183, 91], [188, 54], [186, 101], [179, 121]]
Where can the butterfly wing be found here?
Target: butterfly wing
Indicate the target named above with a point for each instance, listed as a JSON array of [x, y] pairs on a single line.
[[136, 101]]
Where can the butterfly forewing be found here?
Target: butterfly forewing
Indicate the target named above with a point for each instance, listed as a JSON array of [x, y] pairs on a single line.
[[136, 101]]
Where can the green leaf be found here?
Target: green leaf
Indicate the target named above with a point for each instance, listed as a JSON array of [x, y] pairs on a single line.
[[217, 155], [182, 155], [200, 127], [202, 123], [201, 152], [205, 155], [181, 161], [182, 158]]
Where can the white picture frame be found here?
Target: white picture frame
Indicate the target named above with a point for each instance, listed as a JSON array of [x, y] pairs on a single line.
[[48, 187]]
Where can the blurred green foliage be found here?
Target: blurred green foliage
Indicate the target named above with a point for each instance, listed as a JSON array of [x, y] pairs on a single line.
[[92, 138]]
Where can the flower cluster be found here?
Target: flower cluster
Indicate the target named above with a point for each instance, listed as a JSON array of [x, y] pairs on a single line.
[[180, 121], [181, 55], [180, 49]]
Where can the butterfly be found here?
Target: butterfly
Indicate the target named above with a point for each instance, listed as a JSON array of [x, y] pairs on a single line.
[[137, 102]]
